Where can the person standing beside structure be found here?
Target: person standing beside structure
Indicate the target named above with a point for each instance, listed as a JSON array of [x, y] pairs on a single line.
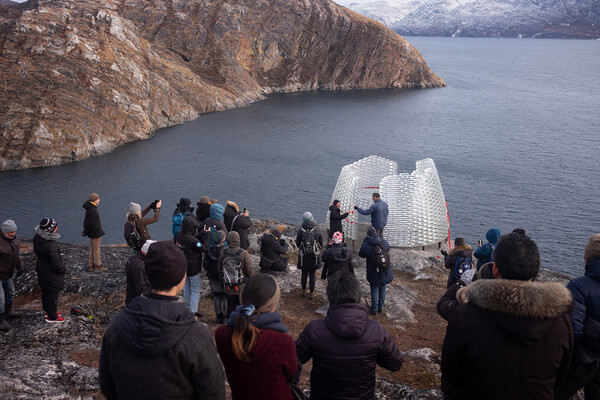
[[92, 228], [379, 213], [336, 217]]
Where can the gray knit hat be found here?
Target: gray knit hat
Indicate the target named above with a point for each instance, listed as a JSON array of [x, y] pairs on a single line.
[[9, 226], [134, 208], [307, 216]]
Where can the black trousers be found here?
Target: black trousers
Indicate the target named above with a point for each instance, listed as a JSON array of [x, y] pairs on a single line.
[[50, 303], [580, 376], [233, 300], [311, 284]]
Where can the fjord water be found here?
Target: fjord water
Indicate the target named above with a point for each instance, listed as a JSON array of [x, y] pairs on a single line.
[[515, 137]]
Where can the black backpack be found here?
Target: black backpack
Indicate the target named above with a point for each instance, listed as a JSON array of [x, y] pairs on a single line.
[[309, 245], [232, 270], [131, 235], [380, 258]]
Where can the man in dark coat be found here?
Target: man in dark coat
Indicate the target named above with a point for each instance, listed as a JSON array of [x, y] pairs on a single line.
[[135, 274], [510, 337], [203, 210], [378, 212], [155, 348], [337, 257], [378, 280], [271, 249], [49, 266], [9, 262], [92, 228], [585, 316], [187, 239], [346, 345], [309, 241], [336, 217]]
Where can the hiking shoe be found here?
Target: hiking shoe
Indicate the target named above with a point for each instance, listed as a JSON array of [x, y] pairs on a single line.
[[372, 312], [4, 325], [58, 319], [10, 313], [100, 268], [91, 268], [304, 292], [311, 295], [57, 313]]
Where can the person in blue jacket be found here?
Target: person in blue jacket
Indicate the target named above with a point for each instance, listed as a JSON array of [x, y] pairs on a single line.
[[378, 212], [585, 316], [485, 253], [377, 280]]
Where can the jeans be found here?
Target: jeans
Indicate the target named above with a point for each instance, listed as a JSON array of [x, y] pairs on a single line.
[[377, 297], [7, 293], [191, 291]]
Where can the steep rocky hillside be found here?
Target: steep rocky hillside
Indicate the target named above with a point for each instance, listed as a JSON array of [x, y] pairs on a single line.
[[80, 77]]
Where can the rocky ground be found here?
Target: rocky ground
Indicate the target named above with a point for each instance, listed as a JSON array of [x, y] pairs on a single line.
[[59, 361]]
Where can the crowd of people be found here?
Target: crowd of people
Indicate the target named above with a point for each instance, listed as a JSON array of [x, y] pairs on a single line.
[[508, 335]]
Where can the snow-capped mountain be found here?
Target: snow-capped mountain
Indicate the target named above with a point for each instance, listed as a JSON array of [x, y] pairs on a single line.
[[492, 18]]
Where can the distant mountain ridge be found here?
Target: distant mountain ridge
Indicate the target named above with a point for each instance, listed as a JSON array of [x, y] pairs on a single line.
[[81, 77], [579, 19]]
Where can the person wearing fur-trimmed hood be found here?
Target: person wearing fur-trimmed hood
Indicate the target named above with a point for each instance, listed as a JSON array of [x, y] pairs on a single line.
[[238, 221], [461, 249], [509, 337]]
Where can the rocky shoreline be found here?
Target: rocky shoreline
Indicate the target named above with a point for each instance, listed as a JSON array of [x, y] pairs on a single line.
[[59, 361]]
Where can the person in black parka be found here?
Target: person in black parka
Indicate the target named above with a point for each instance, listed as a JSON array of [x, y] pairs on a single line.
[[309, 260], [336, 217], [346, 346], [377, 280], [203, 210], [49, 266], [187, 239], [271, 249], [337, 257]]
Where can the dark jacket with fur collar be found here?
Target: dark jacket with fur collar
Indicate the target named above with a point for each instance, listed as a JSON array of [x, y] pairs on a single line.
[[507, 340]]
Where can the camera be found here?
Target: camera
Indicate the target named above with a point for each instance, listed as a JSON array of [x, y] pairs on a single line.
[[479, 242]]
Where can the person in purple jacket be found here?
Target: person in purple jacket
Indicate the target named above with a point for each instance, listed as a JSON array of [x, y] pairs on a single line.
[[346, 346]]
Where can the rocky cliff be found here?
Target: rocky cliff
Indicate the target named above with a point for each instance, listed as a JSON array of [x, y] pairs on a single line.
[[80, 77]]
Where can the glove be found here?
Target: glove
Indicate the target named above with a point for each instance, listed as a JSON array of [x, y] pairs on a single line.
[[282, 242], [153, 204], [356, 207], [467, 276], [444, 252], [19, 272]]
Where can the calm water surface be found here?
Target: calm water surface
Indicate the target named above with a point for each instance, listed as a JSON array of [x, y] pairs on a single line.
[[515, 137]]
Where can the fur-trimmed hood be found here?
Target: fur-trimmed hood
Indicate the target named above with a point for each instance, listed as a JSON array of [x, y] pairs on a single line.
[[46, 235], [460, 249], [524, 299], [233, 205]]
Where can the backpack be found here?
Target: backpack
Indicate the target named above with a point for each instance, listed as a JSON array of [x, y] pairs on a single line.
[[232, 271], [309, 246], [131, 235], [461, 265], [177, 220], [340, 257], [380, 258]]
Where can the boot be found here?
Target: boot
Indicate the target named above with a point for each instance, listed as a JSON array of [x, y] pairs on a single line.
[[92, 268], [100, 268], [10, 313], [311, 295], [4, 325]]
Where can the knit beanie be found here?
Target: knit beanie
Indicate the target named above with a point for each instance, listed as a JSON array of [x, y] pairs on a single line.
[[371, 231], [337, 237], [94, 196], [276, 232], [165, 265], [204, 200], [134, 208], [307, 216], [216, 211], [48, 224], [592, 248], [146, 246], [9, 226]]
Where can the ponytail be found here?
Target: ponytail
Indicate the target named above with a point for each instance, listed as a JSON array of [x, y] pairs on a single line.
[[244, 334]]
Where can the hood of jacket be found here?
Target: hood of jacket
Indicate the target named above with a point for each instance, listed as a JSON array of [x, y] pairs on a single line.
[[190, 226], [309, 224], [88, 204], [466, 251], [233, 240], [333, 208], [515, 304], [230, 212], [150, 327], [267, 238], [216, 211], [373, 240], [493, 235], [347, 321], [46, 235], [234, 206], [592, 269]]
